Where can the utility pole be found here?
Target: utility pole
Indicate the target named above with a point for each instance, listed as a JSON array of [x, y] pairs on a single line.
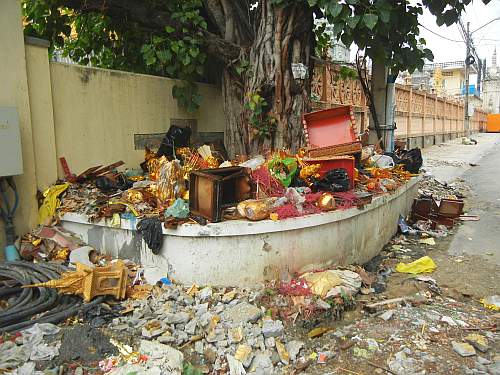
[[466, 104]]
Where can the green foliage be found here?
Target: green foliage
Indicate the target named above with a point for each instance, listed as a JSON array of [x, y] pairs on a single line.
[[347, 73], [323, 41], [387, 30], [189, 369], [262, 122], [168, 37], [102, 41]]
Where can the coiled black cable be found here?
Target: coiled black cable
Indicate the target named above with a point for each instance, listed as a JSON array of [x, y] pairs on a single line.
[[36, 305]]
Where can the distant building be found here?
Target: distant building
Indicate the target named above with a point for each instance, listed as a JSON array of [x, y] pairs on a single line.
[[491, 86], [339, 52], [448, 78]]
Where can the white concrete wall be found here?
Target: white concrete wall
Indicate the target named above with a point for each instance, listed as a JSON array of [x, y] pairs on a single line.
[[247, 253]]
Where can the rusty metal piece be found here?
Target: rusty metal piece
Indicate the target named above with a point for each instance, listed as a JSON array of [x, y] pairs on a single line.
[[451, 208], [424, 206]]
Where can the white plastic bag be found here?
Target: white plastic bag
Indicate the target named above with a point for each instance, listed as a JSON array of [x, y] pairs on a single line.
[[383, 161]]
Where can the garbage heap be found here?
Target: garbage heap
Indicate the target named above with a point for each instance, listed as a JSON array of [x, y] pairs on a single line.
[[184, 182]]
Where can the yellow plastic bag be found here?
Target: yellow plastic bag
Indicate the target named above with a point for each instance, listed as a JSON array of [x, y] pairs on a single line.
[[320, 283], [51, 202], [422, 265]]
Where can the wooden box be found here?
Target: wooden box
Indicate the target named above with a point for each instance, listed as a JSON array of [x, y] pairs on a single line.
[[212, 190], [331, 132]]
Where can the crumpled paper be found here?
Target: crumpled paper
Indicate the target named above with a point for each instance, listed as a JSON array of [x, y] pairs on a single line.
[[33, 340], [33, 348]]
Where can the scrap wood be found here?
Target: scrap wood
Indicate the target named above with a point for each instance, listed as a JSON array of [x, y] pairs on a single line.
[[381, 367], [86, 173], [373, 307], [492, 328], [301, 367], [67, 172], [106, 169], [469, 218], [349, 371]]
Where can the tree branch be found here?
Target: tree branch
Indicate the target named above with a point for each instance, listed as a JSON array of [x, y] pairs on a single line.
[[154, 20]]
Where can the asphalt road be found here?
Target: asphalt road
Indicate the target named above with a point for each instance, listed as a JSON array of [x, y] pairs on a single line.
[[482, 237]]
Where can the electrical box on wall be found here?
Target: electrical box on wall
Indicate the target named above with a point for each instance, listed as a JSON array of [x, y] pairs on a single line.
[[11, 158]]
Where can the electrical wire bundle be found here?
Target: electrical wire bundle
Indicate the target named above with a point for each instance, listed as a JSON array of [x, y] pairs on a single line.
[[28, 306]]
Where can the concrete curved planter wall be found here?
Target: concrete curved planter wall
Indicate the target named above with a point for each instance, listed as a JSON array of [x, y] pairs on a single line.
[[243, 253]]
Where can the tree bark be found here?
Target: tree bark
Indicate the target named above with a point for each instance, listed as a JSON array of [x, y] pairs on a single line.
[[283, 35]]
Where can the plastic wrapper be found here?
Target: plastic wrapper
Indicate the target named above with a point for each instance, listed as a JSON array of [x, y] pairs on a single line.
[[382, 161], [256, 209], [326, 202], [179, 210], [254, 162], [170, 184], [491, 302], [321, 282], [421, 265], [50, 203], [283, 169], [294, 197]]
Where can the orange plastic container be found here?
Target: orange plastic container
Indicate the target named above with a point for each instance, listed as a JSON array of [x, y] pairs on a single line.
[[493, 123]]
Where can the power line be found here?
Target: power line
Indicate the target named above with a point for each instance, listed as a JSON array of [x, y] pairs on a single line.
[[486, 24], [441, 36]]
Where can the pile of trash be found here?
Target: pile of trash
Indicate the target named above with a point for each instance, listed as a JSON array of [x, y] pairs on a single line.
[[187, 182], [228, 330], [429, 186]]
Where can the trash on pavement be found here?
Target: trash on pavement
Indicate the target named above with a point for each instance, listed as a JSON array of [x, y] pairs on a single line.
[[421, 265], [427, 241], [492, 302]]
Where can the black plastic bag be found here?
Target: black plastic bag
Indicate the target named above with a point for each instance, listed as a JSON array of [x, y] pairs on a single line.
[[150, 229], [175, 137], [107, 184], [412, 160], [334, 180]]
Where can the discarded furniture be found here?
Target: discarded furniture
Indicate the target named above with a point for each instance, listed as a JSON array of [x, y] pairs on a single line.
[[212, 190], [446, 212], [331, 132]]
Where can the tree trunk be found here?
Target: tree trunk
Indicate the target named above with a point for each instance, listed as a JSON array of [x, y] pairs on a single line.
[[283, 35]]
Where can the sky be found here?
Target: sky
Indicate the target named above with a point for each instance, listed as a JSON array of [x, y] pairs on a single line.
[[444, 50], [485, 39]]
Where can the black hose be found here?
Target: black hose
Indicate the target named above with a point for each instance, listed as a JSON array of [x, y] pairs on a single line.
[[36, 305]]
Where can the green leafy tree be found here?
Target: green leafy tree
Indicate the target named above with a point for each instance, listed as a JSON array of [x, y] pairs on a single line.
[[251, 45]]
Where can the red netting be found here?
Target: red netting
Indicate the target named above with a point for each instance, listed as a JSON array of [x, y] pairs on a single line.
[[267, 185], [296, 287], [289, 209], [345, 200], [313, 197]]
